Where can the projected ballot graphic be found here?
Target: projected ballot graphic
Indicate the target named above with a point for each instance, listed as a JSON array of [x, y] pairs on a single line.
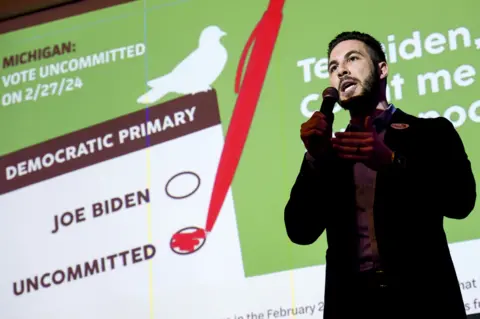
[[148, 150]]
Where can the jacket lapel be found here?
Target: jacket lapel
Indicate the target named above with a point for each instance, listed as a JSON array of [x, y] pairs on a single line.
[[389, 193]]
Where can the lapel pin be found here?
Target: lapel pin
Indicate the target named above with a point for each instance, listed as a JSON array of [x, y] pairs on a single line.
[[399, 126]]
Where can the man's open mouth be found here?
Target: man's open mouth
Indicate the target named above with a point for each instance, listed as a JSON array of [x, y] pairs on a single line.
[[348, 86]]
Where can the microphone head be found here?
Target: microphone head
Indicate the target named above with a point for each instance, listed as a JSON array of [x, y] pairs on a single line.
[[330, 93]]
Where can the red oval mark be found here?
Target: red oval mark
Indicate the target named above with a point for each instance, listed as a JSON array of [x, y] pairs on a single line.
[[188, 240]]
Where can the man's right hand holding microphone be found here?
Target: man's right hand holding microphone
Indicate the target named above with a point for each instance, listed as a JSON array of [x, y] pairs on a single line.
[[316, 135]]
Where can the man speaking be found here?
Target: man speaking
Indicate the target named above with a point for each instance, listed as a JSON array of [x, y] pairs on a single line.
[[380, 191]]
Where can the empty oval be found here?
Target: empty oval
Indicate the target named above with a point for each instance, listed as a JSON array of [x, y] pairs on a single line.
[[182, 185]]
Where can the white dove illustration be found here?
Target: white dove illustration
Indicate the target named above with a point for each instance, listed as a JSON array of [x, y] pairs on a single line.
[[196, 73]]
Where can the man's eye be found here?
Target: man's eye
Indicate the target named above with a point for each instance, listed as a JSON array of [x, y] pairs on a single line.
[[333, 68], [353, 58]]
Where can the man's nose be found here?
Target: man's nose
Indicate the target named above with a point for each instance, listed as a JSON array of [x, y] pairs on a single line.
[[342, 71]]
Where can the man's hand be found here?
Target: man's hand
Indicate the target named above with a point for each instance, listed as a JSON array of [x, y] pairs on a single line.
[[366, 147], [315, 134]]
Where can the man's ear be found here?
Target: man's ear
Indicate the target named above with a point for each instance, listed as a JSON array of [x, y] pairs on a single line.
[[383, 70]]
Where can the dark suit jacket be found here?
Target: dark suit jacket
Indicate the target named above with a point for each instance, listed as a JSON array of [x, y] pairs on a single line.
[[411, 202]]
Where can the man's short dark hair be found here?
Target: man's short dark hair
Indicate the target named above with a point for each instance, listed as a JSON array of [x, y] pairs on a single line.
[[374, 47]]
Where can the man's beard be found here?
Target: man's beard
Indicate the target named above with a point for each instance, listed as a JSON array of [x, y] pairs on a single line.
[[366, 101]]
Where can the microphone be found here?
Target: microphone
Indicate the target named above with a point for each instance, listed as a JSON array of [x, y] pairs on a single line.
[[330, 97]]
